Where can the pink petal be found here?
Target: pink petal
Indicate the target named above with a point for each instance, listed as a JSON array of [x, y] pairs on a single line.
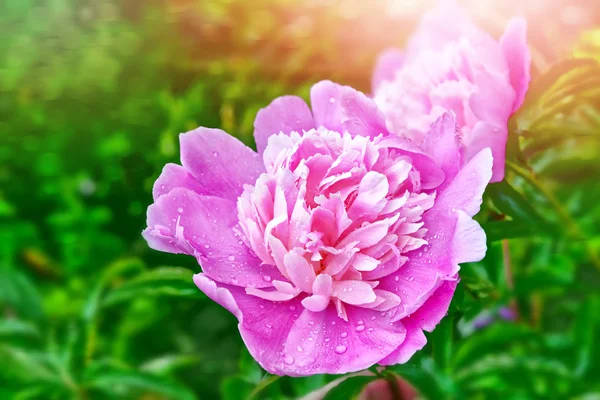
[[494, 137], [369, 235], [322, 285], [363, 262], [518, 56], [206, 225], [469, 242], [466, 190], [174, 176], [415, 340], [436, 307], [388, 63], [342, 108], [324, 343], [264, 325], [284, 115], [353, 292], [372, 190], [220, 163], [316, 302], [272, 295], [443, 144], [300, 271]]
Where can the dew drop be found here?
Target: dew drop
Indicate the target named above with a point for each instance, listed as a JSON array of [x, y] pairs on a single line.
[[341, 349], [344, 334], [288, 359], [267, 278], [300, 349], [231, 258], [360, 328], [215, 154], [331, 100], [397, 278], [206, 246], [179, 210], [292, 308], [410, 278]]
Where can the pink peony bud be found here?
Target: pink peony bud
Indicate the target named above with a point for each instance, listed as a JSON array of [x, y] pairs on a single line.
[[337, 244], [451, 65]]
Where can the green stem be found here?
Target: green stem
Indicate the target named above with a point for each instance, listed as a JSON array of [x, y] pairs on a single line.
[[392, 381], [508, 276]]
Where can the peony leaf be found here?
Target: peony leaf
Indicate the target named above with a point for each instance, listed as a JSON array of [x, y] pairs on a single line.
[[166, 281]]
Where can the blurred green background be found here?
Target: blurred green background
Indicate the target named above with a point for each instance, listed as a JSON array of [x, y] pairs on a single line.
[[93, 95]]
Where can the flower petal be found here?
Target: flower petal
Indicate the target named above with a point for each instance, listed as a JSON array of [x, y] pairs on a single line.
[[443, 144], [342, 108], [300, 271], [183, 216], [518, 57], [388, 63], [174, 176], [324, 343], [220, 163], [284, 115]]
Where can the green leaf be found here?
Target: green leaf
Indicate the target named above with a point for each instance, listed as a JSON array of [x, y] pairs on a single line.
[[113, 271], [166, 281], [498, 230], [514, 204], [441, 340], [349, 388], [131, 384], [495, 337], [235, 388], [424, 375], [585, 331], [10, 328], [167, 364]]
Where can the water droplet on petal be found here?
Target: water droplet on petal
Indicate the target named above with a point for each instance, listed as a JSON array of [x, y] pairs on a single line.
[[179, 210], [397, 278], [410, 278], [231, 258], [331, 100], [267, 278], [360, 328], [341, 349], [288, 359], [344, 334], [300, 349], [215, 154]]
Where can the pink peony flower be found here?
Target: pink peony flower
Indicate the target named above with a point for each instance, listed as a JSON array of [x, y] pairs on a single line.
[[450, 64], [337, 243]]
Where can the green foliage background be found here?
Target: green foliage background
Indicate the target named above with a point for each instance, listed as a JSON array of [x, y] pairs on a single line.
[[93, 95]]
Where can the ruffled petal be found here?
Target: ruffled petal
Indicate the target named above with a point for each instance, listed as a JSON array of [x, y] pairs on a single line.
[[344, 109], [284, 115], [388, 63], [220, 163], [174, 176], [518, 57], [324, 343], [177, 223]]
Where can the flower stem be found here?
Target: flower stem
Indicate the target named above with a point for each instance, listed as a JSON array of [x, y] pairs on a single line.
[[392, 381], [508, 275]]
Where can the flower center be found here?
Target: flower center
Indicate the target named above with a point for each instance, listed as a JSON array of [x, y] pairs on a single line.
[[335, 214]]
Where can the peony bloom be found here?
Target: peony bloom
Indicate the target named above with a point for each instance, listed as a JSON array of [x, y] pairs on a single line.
[[450, 64], [337, 243]]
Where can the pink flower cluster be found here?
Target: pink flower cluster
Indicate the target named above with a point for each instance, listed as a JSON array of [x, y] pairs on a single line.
[[452, 65], [339, 242]]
